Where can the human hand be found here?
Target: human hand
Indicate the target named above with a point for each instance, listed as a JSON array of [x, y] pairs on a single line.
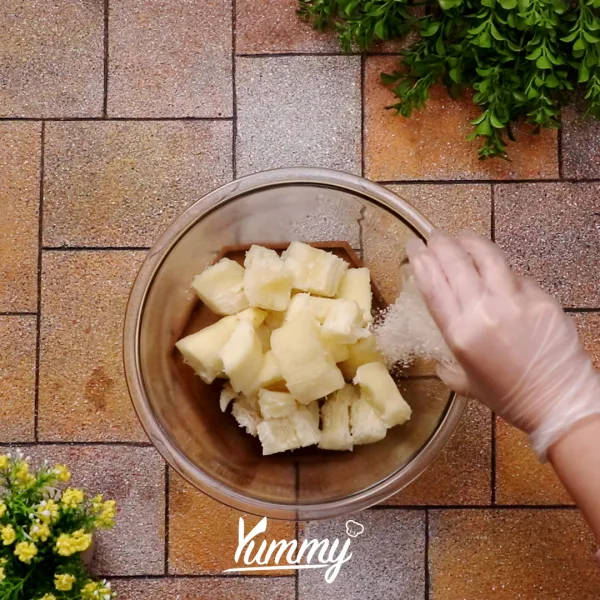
[[517, 351]]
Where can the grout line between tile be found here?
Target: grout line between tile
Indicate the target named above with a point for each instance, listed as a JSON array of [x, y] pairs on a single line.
[[493, 213], [421, 507], [106, 23], [559, 152], [12, 313], [166, 566], [198, 576], [233, 90], [362, 115], [483, 181], [63, 443], [70, 119], [426, 556], [38, 341], [317, 54], [93, 248], [581, 310], [493, 461]]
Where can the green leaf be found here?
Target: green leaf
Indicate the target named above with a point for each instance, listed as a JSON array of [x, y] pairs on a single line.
[[449, 4], [552, 81], [485, 40], [535, 54], [508, 4], [478, 29], [381, 29], [579, 45], [584, 73], [488, 3], [484, 128], [431, 29], [589, 37], [454, 74], [519, 96], [570, 37], [496, 34], [496, 123], [543, 63]]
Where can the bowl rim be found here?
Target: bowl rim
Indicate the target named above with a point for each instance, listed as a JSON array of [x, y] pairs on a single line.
[[176, 458]]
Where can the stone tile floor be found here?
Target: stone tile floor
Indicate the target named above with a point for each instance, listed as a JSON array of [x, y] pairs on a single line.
[[114, 117]]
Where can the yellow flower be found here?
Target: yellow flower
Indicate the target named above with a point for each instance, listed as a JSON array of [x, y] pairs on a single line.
[[78, 541], [105, 512], [64, 583], [3, 461], [47, 511], [96, 589], [2, 574], [22, 474], [25, 551], [8, 535], [39, 532], [62, 473], [72, 498], [2, 509], [48, 597]]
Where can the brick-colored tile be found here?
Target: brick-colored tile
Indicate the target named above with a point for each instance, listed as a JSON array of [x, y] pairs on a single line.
[[265, 26], [51, 58], [205, 589], [580, 143], [298, 111], [508, 554], [83, 396], [19, 198], [135, 478], [170, 59], [387, 559], [461, 473], [520, 477], [452, 207], [588, 325], [17, 378], [550, 232], [203, 533], [432, 143], [122, 183]]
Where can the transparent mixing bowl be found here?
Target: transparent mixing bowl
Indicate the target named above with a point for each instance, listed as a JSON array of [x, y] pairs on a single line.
[[181, 414]]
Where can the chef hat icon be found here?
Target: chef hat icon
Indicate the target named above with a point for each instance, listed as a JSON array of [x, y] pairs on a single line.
[[354, 528]]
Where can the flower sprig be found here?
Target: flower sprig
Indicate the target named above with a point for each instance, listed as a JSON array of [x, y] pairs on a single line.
[[44, 529]]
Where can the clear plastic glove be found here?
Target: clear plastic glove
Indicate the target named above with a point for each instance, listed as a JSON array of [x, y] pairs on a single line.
[[517, 351]]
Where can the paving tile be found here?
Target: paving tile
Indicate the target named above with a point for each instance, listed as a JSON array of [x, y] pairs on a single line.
[[432, 143], [19, 198], [51, 58], [17, 378], [203, 533], [550, 232], [205, 589], [83, 396], [588, 325], [508, 554], [122, 183], [264, 26], [298, 111], [387, 559], [520, 477], [170, 59], [580, 143], [452, 207], [135, 478], [461, 473]]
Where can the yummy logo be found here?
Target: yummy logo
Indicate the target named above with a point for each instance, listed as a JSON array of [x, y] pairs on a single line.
[[290, 555]]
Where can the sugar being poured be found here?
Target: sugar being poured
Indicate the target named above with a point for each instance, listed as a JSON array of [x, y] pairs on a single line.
[[407, 330]]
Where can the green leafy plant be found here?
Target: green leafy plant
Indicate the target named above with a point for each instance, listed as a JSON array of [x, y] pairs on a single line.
[[44, 530], [522, 58]]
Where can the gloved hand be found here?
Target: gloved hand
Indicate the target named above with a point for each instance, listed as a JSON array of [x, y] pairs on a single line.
[[517, 351]]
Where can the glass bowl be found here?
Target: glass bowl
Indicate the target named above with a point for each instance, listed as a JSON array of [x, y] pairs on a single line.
[[181, 414]]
